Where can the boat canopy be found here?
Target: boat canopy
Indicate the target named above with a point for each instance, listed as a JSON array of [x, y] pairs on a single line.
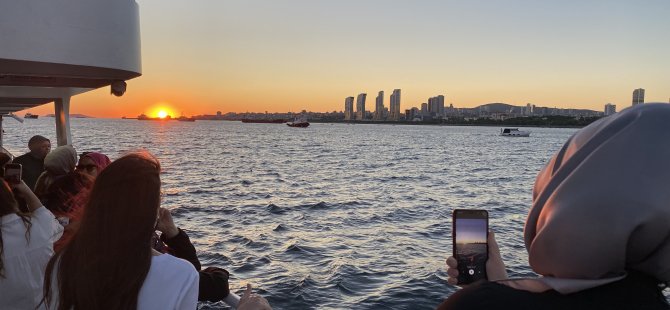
[[53, 50]]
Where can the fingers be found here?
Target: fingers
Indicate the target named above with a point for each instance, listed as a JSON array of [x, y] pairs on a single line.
[[452, 272], [247, 293], [451, 262], [452, 281]]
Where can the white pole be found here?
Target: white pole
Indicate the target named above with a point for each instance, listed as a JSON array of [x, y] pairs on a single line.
[[62, 107]]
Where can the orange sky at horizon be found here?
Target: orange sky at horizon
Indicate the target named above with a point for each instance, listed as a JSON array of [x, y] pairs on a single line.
[[311, 55]]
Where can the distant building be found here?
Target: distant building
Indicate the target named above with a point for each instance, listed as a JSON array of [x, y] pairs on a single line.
[[610, 109], [638, 96], [394, 111], [349, 108], [379, 107], [360, 106], [424, 109]]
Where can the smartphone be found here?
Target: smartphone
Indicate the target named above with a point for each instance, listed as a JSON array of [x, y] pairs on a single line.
[[13, 173], [470, 239]]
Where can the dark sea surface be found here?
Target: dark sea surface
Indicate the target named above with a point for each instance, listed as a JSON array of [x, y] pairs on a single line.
[[333, 216]]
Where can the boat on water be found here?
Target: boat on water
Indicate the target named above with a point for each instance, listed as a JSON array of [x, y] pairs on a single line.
[[31, 116], [143, 117], [264, 121], [185, 119], [514, 132], [299, 122]]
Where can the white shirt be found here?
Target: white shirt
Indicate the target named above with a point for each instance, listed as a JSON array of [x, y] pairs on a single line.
[[25, 260], [172, 283]]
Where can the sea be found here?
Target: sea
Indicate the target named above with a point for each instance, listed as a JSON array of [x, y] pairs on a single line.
[[333, 216]]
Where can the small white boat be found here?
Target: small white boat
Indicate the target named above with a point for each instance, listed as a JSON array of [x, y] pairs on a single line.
[[514, 132]]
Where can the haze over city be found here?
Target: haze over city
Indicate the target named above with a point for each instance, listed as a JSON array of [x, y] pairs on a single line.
[[276, 56]]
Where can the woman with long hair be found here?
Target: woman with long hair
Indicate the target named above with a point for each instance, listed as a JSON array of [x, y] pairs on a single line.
[[109, 262], [26, 245]]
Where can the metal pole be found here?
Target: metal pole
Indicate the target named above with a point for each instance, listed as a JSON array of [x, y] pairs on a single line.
[[62, 107], [2, 131]]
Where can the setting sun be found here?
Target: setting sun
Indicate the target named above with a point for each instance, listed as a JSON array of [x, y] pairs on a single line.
[[162, 114]]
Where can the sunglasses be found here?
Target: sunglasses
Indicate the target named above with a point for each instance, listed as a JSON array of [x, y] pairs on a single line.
[[86, 167]]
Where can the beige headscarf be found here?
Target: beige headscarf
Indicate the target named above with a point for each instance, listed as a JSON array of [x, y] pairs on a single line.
[[602, 204], [58, 162]]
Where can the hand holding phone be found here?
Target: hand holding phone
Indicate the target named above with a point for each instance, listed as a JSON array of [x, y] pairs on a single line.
[[13, 173], [470, 239]]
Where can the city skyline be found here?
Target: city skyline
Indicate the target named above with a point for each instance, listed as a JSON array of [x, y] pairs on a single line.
[[309, 55]]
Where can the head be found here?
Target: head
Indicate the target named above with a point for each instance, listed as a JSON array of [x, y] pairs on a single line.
[[56, 164], [92, 163], [601, 206], [39, 146], [123, 206]]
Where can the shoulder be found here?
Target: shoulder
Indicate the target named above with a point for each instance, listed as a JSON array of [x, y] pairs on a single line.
[[166, 264], [20, 159]]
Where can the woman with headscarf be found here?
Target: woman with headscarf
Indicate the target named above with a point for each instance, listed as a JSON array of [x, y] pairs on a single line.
[[92, 163], [598, 232], [66, 196], [57, 164]]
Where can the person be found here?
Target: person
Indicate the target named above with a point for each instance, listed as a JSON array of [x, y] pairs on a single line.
[[122, 271], [65, 198], [597, 232], [57, 164], [33, 162], [92, 163], [213, 283], [26, 245]]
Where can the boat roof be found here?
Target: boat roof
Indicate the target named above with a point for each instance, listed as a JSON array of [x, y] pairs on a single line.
[[50, 51]]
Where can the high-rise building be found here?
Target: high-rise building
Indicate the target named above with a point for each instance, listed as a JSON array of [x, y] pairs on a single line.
[[379, 107], [638, 96], [349, 108], [610, 109], [440, 104], [424, 109], [360, 106], [394, 113]]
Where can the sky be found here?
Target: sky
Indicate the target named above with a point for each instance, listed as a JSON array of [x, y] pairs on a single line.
[[203, 56], [470, 230]]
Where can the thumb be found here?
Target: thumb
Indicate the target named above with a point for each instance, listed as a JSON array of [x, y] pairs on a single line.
[[247, 293]]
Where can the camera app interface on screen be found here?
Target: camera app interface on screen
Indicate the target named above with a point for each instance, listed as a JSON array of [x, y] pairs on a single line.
[[471, 249]]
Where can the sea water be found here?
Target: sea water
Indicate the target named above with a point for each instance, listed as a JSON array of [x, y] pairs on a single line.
[[334, 216]]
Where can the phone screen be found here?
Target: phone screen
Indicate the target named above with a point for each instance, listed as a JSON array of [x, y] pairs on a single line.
[[13, 173], [470, 244]]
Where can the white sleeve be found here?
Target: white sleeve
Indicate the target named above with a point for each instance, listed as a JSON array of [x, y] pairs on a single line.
[[189, 298], [45, 219]]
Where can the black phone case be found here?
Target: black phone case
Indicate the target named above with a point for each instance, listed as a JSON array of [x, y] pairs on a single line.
[[464, 276]]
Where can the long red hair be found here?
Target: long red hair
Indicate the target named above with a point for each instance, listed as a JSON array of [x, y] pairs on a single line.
[[107, 260]]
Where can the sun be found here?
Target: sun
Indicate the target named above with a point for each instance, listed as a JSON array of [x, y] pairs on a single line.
[[162, 114]]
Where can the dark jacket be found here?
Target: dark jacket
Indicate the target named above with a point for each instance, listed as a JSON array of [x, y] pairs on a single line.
[[213, 280]]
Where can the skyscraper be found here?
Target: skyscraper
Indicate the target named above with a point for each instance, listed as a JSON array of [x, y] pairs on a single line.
[[394, 113], [379, 107], [610, 109], [360, 106], [638, 96], [349, 108]]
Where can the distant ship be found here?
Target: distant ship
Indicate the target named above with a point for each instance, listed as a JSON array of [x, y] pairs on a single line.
[[143, 117], [185, 119], [299, 122], [265, 121], [30, 115]]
